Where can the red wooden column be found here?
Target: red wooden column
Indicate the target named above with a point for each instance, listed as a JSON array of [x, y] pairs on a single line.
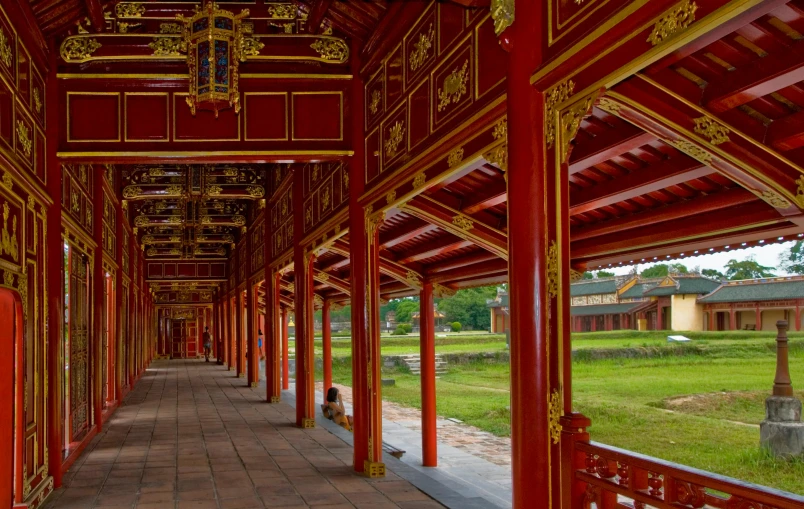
[[273, 337], [253, 359], [732, 319], [427, 374], [374, 466], [326, 335], [240, 340], [231, 333], [118, 299], [358, 255], [798, 317], [303, 295], [285, 366], [96, 355], [55, 280], [213, 328]]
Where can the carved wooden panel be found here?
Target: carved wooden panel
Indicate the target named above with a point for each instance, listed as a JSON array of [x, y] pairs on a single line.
[[256, 236], [156, 270], [76, 198], [109, 237], [325, 192], [282, 223], [79, 346]]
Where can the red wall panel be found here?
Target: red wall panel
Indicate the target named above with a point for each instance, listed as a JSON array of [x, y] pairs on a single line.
[[317, 116], [93, 116]]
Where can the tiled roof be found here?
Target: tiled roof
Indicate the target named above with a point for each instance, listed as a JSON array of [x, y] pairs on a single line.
[[603, 309], [593, 287], [757, 289], [685, 286], [502, 303], [637, 291]]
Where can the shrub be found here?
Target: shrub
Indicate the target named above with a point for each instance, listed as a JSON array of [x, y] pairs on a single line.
[[456, 326], [400, 331], [408, 327]]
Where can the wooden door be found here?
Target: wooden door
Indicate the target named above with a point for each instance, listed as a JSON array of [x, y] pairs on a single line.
[[8, 339], [192, 339], [178, 336], [79, 347]]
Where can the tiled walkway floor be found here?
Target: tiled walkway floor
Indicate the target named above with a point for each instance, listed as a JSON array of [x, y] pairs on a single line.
[[192, 436]]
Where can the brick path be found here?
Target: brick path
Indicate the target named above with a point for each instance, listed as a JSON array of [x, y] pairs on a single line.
[[474, 441], [189, 436]]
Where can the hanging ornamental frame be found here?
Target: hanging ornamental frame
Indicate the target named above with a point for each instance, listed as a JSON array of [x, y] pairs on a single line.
[[217, 33]]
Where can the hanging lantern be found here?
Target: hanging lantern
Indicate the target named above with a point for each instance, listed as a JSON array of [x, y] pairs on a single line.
[[212, 37]]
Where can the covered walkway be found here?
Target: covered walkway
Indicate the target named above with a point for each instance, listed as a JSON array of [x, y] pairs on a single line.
[[190, 435]]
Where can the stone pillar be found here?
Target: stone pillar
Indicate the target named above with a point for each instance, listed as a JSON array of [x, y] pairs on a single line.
[[782, 431]]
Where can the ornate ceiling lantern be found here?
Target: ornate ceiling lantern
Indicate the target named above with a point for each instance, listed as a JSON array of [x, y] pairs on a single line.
[[213, 37]]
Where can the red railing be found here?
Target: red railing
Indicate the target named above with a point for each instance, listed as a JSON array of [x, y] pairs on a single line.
[[615, 478]]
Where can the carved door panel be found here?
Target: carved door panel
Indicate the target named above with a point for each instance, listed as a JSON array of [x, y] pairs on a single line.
[[192, 339], [79, 351], [178, 339]]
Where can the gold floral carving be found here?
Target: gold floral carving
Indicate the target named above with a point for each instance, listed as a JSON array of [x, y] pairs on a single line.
[[325, 198], [500, 130], [413, 279], [774, 199], [251, 46], [421, 49], [555, 97], [441, 291], [8, 278], [131, 192], [419, 180], [174, 190], [395, 136], [334, 50], [78, 49], [239, 220], [390, 197], [24, 137], [455, 157], [708, 128], [5, 49], [322, 276], [129, 10], [256, 191], [454, 87], [552, 270], [167, 46], [575, 275], [570, 123], [282, 11], [463, 222], [8, 239], [673, 21], [554, 413], [800, 191], [502, 12], [608, 105], [170, 28], [376, 97], [373, 222], [693, 150], [37, 100], [498, 156], [214, 190]]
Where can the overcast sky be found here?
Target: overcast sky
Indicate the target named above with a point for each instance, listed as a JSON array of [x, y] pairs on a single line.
[[766, 255]]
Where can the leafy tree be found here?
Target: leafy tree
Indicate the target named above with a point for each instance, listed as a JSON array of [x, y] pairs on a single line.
[[792, 261], [405, 309], [604, 273], [713, 273], [468, 306], [587, 275], [663, 269], [747, 269]]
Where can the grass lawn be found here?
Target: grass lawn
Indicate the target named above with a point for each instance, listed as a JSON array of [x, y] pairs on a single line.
[[700, 411]]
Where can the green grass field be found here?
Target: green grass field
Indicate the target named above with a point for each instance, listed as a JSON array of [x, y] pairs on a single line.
[[698, 410]]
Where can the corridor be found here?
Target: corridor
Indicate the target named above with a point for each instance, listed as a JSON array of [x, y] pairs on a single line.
[[191, 435]]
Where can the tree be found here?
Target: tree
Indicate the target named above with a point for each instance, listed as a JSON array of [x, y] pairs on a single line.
[[469, 307], [792, 261], [604, 273], [662, 270], [587, 275], [714, 274], [747, 269]]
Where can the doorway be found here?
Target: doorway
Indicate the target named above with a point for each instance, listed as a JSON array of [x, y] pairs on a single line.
[[8, 340]]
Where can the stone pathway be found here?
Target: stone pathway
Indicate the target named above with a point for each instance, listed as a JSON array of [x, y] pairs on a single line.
[[494, 449], [191, 436]]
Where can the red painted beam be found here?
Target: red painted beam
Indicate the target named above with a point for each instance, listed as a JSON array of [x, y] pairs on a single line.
[[434, 248], [685, 209], [470, 271], [646, 180], [496, 194], [95, 12], [765, 76], [462, 261], [786, 133], [336, 265], [316, 16], [408, 231], [601, 148]]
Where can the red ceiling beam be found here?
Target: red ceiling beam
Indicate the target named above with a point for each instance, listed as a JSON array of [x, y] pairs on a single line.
[[786, 133], [764, 76], [461, 261], [434, 248], [685, 209], [95, 12], [332, 281], [495, 195], [408, 231], [316, 16], [388, 267], [470, 271], [646, 180], [612, 143]]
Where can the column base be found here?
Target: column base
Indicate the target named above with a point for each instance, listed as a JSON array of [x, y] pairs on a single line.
[[241, 375], [231, 368], [275, 399], [373, 470], [254, 384], [308, 423]]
